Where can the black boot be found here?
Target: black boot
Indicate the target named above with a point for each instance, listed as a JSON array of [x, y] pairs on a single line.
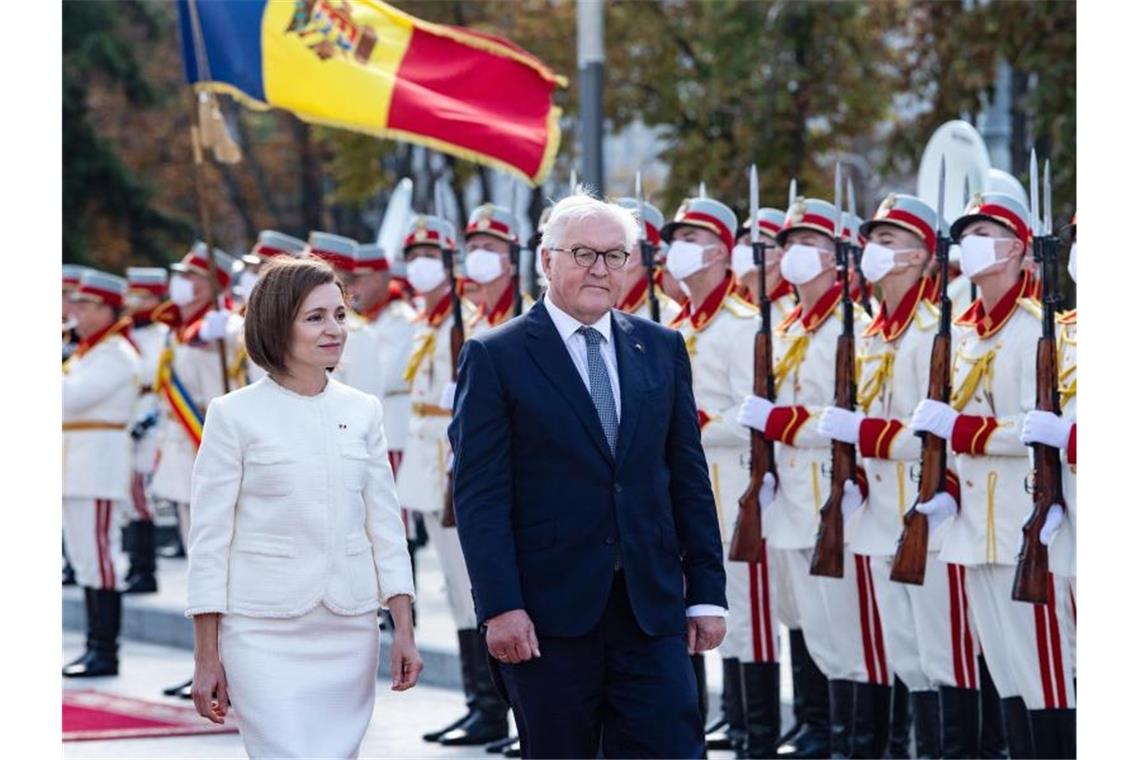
[[927, 710], [141, 540], [812, 704], [1018, 734], [701, 675], [514, 750], [501, 746], [488, 719], [899, 744], [871, 729], [961, 734], [181, 690], [841, 697], [466, 637], [1054, 733], [761, 708], [720, 735], [993, 724], [104, 615], [68, 570]]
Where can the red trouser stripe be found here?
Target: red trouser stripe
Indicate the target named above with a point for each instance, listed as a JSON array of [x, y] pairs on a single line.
[[1043, 655], [1055, 642], [769, 634], [880, 649], [957, 639], [102, 537], [865, 622], [968, 648], [138, 496]]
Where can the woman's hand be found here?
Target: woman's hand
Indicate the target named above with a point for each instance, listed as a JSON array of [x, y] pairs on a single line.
[[209, 690], [406, 662]]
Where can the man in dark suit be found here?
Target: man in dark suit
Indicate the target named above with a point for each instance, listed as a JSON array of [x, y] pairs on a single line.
[[584, 507]]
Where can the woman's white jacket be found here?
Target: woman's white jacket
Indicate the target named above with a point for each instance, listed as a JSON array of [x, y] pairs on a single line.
[[293, 505]]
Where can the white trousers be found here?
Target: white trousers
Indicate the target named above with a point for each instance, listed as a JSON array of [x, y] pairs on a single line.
[[840, 619], [302, 686], [94, 542], [785, 597], [1026, 647], [926, 628], [751, 589], [457, 584]]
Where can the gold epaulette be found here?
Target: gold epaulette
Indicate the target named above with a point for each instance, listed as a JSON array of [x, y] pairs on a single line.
[[738, 307]]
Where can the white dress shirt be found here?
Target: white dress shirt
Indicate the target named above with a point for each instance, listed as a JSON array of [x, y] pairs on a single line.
[[567, 327]]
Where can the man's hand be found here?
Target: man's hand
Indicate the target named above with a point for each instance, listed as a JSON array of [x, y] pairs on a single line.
[[511, 637], [840, 424], [754, 412], [214, 325], [705, 633], [1046, 428], [934, 417], [447, 397]]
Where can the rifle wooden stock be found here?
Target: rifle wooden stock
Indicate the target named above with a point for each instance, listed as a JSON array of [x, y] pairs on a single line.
[[447, 519], [910, 557], [827, 559], [1031, 579], [747, 537]]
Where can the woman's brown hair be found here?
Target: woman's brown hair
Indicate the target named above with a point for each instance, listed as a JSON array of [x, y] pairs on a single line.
[[283, 284]]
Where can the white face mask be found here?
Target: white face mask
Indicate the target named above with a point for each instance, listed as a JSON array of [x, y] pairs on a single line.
[[978, 254], [425, 274], [685, 259], [245, 283], [181, 290], [878, 261], [1073, 261], [742, 262], [483, 266], [801, 263]]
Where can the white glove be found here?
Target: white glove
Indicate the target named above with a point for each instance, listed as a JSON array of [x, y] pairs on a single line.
[[841, 424], [214, 325], [767, 495], [852, 499], [450, 460], [754, 412], [1046, 428], [940, 507], [1052, 524], [447, 398], [934, 417]]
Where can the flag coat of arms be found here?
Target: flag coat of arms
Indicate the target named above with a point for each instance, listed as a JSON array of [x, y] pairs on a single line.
[[366, 66]]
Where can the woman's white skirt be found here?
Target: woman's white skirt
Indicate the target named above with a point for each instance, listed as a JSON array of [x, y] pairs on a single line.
[[302, 686]]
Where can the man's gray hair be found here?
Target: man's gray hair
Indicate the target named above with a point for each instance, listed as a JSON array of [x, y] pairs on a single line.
[[579, 206]]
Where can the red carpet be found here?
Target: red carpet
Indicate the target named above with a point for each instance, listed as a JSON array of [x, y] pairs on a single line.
[[99, 715]]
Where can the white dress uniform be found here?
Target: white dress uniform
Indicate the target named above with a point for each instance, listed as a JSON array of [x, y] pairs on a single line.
[[297, 541], [926, 629], [198, 368], [830, 610], [422, 479], [636, 302], [994, 385], [150, 339], [394, 331], [100, 388], [718, 335], [1063, 550]]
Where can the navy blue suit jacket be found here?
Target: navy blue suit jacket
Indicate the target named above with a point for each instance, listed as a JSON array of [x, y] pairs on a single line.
[[543, 507]]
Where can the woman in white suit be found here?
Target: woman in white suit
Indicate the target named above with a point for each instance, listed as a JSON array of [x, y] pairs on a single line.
[[296, 537]]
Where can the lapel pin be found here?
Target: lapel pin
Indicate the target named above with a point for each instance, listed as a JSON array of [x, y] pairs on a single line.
[[639, 347]]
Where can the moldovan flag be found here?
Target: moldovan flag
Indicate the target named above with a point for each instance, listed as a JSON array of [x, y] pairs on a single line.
[[368, 67]]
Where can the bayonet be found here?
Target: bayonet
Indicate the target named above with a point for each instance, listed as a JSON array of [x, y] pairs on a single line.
[[573, 180], [648, 251], [1034, 199], [701, 193], [793, 192], [1047, 210]]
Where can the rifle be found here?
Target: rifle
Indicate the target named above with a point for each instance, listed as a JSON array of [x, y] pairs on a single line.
[[747, 537], [827, 558], [1031, 579], [909, 565], [447, 519], [648, 252], [857, 250]]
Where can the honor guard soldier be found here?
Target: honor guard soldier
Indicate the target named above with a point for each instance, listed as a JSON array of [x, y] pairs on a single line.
[[993, 388], [926, 629], [100, 388], [270, 244], [190, 375], [388, 317], [780, 291], [423, 477], [491, 233], [804, 365], [71, 275], [634, 297], [146, 292], [360, 363], [716, 325]]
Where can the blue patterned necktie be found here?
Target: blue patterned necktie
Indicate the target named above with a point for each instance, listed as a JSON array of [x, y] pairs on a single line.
[[600, 390]]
